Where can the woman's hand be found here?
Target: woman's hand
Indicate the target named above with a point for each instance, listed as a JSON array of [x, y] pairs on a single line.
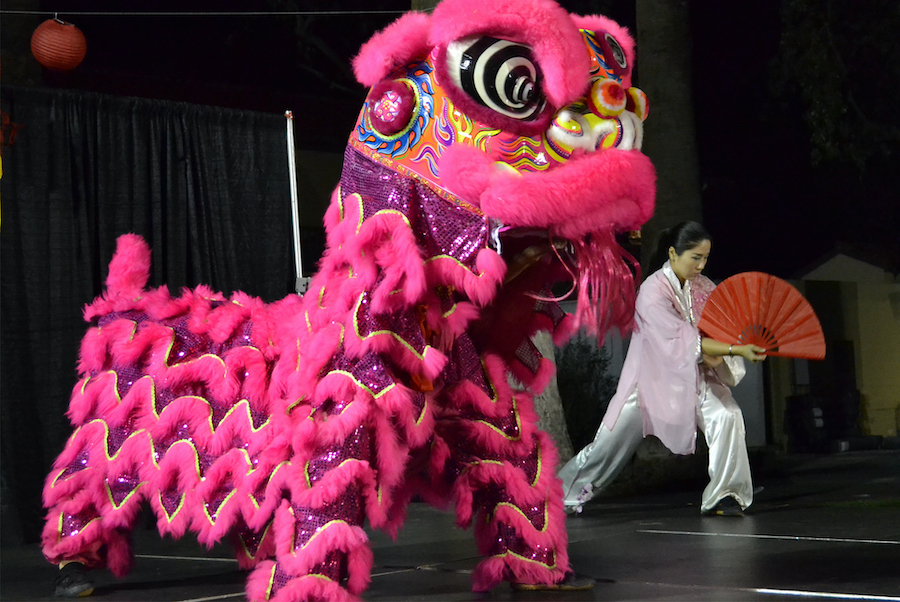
[[754, 353], [714, 348]]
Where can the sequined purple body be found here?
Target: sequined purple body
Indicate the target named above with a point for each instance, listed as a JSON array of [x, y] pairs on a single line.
[[210, 453]]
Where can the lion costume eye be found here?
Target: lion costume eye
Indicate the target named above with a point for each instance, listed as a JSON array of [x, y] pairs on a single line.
[[498, 74]]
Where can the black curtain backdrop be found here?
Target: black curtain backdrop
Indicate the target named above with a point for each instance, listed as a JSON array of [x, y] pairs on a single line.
[[208, 188]]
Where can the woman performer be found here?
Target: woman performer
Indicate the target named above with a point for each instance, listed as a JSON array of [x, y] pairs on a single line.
[[674, 380]]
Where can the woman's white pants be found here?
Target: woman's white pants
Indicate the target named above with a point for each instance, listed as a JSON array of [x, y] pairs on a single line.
[[720, 420]]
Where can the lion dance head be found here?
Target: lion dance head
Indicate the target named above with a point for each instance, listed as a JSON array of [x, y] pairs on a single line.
[[525, 114]]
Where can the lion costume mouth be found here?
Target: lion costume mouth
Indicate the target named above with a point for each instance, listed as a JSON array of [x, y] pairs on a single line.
[[606, 284], [601, 274], [585, 201]]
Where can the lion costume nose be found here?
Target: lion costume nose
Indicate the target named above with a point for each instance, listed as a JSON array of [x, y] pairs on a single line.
[[610, 116]]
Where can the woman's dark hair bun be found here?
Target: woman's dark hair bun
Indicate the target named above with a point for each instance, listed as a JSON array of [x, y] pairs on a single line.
[[682, 236]]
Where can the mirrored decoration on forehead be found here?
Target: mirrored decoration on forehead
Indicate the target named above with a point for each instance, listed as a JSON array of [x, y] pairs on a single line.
[[497, 74], [392, 106]]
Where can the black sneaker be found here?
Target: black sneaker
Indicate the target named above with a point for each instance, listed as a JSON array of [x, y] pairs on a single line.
[[73, 582], [727, 506], [569, 583]]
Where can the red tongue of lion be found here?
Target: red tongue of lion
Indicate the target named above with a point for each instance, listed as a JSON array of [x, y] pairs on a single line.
[[606, 285]]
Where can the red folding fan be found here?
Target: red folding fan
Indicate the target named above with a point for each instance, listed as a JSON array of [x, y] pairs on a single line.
[[759, 308]]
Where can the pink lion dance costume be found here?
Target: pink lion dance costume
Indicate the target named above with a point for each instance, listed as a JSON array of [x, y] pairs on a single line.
[[489, 125]]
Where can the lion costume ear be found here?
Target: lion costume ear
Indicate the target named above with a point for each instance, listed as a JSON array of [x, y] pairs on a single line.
[[400, 42], [616, 41]]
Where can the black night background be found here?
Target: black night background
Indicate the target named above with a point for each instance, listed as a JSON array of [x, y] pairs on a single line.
[[794, 100]]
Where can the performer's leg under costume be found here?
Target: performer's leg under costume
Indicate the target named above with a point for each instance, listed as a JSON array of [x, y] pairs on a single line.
[[508, 485], [75, 531], [722, 423], [499, 472], [601, 461], [94, 497], [321, 549]]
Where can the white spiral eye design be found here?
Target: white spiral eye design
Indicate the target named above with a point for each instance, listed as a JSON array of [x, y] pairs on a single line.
[[497, 74]]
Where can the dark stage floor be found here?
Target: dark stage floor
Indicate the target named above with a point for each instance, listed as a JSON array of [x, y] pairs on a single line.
[[824, 527]]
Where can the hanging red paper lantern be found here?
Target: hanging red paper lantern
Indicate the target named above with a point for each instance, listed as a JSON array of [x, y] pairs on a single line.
[[58, 45]]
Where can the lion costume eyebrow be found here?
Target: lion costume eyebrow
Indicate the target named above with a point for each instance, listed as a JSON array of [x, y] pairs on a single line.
[[551, 33]]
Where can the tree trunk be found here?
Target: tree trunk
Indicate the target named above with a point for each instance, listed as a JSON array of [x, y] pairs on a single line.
[[548, 405], [664, 74]]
